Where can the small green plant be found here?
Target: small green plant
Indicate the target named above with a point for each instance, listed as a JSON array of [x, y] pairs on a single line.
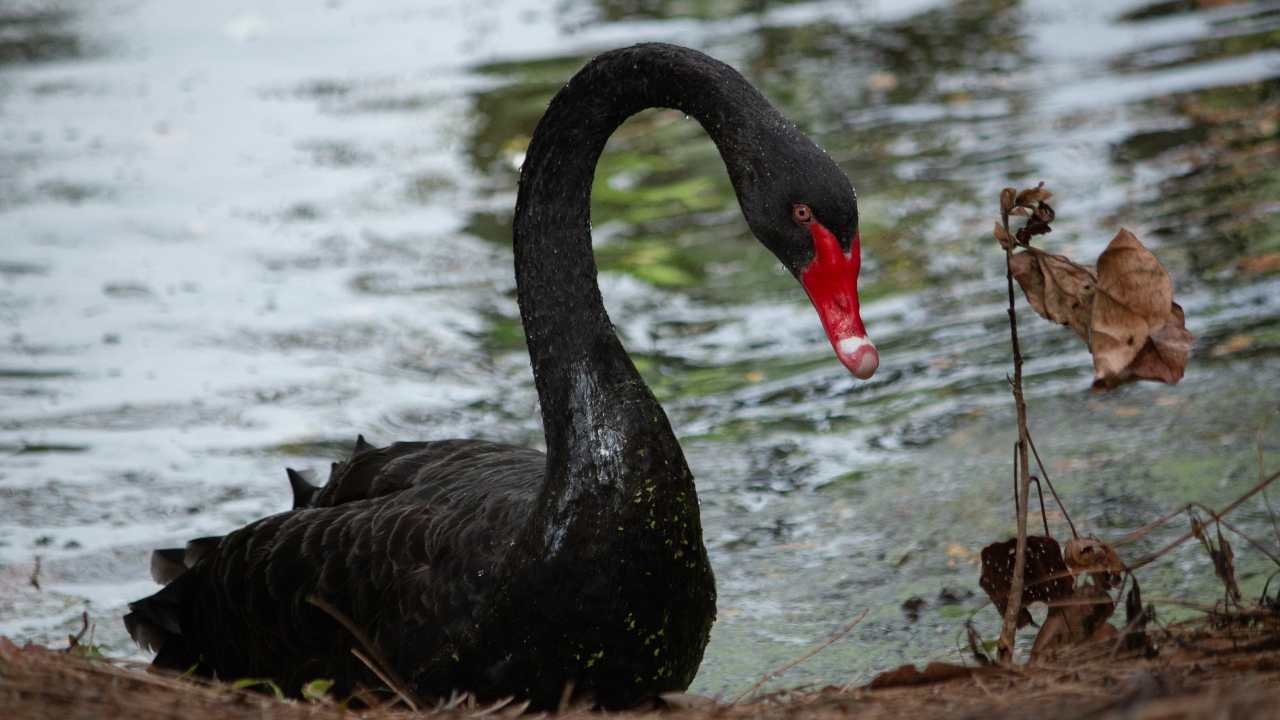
[[317, 690], [247, 683]]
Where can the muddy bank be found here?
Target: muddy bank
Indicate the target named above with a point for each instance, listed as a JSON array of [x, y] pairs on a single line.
[[1196, 669]]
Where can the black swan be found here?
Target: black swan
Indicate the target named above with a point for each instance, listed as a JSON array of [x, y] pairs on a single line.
[[476, 566]]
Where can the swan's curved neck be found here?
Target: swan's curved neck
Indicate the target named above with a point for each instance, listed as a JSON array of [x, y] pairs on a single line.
[[597, 412]]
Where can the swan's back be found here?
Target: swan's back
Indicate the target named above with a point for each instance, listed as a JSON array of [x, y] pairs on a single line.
[[403, 540]]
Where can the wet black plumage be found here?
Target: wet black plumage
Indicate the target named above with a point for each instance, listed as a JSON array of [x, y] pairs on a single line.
[[491, 568]]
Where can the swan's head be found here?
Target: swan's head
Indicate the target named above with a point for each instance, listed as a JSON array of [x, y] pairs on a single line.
[[805, 211]]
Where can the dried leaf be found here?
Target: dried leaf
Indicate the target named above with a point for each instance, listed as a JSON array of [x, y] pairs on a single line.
[[1123, 311], [1223, 558], [1003, 237], [1006, 200], [1163, 358], [1134, 299], [1081, 619], [1046, 576], [1227, 569], [1096, 558], [1057, 288], [1133, 603], [1031, 196], [1136, 618], [1044, 213], [934, 672], [1035, 226]]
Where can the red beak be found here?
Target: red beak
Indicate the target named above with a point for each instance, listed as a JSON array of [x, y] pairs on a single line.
[[832, 283]]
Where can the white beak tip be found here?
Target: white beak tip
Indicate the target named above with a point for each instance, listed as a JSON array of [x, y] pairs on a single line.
[[859, 355]]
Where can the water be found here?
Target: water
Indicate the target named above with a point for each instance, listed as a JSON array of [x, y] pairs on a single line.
[[230, 240]]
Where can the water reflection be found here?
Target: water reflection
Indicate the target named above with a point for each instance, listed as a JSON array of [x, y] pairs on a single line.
[[304, 250], [37, 32]]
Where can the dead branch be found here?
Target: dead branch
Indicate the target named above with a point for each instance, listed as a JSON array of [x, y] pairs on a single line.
[[1140, 532], [1045, 474], [1014, 607], [373, 660]]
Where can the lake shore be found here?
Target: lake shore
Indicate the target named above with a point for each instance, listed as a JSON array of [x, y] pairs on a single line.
[[1215, 667]]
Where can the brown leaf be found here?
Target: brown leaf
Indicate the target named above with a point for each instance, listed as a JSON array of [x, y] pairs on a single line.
[[1136, 618], [934, 672], [1003, 237], [1134, 299], [1081, 619], [1095, 557], [1046, 576], [1031, 196], [1035, 226], [1057, 288], [1006, 200], [1163, 358], [1084, 555], [1044, 213], [1223, 558]]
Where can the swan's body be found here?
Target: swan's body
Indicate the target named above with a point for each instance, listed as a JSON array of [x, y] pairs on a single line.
[[500, 570]]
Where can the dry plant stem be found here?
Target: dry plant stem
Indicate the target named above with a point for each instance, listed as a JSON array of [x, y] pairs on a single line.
[[1189, 534], [1044, 516], [378, 664], [1256, 545], [1045, 474], [1145, 529], [1014, 606], [373, 668], [1218, 610], [775, 673]]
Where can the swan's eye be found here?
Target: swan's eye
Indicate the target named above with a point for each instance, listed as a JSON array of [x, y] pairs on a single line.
[[801, 214]]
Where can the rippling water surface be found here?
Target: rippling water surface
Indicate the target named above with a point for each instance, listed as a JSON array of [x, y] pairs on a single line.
[[230, 240]]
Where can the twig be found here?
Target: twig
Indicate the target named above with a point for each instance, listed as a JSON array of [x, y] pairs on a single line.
[[1256, 545], [1044, 517], [73, 641], [1213, 609], [779, 671], [35, 574], [495, 707], [975, 644], [1189, 534], [1014, 606], [1045, 473], [373, 668], [383, 669], [1015, 457]]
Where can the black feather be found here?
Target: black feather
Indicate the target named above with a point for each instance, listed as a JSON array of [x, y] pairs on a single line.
[[166, 564], [197, 549], [303, 489]]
